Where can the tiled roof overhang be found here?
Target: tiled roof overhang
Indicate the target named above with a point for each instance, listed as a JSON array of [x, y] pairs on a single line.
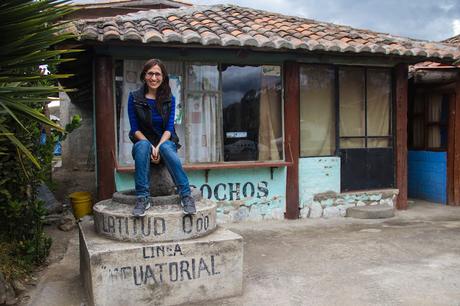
[[234, 26]]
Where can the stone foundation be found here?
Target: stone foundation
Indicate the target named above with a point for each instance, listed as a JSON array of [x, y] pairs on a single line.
[[333, 205], [250, 210]]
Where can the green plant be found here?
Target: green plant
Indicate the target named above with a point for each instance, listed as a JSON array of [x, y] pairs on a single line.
[[29, 31]]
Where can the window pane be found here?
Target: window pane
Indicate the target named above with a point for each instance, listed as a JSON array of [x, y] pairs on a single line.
[[317, 111], [175, 82], [202, 109], [378, 143], [351, 82], [202, 132], [378, 102], [434, 108], [251, 98], [419, 103], [434, 137], [202, 78], [378, 107], [352, 143], [418, 132], [131, 81]]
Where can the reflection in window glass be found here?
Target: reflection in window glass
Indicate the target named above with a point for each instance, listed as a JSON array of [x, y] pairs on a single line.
[[251, 100], [317, 111]]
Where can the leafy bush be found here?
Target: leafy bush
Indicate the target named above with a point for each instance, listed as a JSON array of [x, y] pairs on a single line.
[[29, 31]]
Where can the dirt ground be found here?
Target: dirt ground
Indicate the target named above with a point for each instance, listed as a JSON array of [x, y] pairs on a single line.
[[411, 259]]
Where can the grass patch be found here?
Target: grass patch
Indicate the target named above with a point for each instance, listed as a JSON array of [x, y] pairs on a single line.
[[11, 264], [18, 258]]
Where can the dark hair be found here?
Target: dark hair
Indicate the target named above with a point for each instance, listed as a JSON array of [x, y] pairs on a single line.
[[164, 91]]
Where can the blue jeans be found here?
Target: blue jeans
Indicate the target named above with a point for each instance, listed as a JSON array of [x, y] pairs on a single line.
[[168, 153]]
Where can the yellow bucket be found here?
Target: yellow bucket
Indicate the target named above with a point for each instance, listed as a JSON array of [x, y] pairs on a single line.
[[82, 204]]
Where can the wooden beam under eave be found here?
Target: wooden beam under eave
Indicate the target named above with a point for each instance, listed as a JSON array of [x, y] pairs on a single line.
[[105, 126], [401, 87], [292, 136]]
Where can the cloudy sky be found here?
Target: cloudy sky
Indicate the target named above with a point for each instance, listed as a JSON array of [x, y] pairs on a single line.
[[422, 19]]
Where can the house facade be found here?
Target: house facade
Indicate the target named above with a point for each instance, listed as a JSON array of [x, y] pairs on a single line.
[[278, 116]]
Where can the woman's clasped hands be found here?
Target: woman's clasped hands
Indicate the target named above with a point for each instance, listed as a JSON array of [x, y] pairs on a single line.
[[155, 155]]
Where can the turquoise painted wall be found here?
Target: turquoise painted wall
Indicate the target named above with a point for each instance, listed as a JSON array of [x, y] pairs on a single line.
[[317, 175], [241, 194]]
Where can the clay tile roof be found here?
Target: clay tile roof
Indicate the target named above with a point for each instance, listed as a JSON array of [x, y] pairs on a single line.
[[428, 65], [230, 25], [455, 40]]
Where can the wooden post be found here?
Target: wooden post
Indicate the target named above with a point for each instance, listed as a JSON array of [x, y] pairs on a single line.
[[105, 126], [292, 137], [456, 153], [451, 150], [401, 81]]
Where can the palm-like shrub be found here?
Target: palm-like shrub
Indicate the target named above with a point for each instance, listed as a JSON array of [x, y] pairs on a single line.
[[29, 31]]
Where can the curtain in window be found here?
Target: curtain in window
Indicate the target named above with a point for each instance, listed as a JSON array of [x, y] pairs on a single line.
[[352, 109], [317, 111], [434, 109], [418, 128], [131, 72], [270, 141], [378, 107], [203, 133]]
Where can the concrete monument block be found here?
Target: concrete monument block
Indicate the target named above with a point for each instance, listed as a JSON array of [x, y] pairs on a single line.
[[168, 273], [165, 222]]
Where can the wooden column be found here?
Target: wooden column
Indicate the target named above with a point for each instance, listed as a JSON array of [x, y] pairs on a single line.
[[105, 126], [401, 81], [292, 137], [451, 150], [455, 153]]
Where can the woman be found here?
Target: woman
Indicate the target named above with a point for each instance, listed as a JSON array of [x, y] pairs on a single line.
[[151, 115]]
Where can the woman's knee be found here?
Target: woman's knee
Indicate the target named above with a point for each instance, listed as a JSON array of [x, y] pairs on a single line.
[[142, 146], [167, 147]]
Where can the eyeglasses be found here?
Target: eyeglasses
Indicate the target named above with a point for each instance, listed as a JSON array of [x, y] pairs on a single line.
[[152, 74]]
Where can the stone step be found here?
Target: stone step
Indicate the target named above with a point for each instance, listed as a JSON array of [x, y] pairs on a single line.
[[168, 273], [164, 221], [371, 212]]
